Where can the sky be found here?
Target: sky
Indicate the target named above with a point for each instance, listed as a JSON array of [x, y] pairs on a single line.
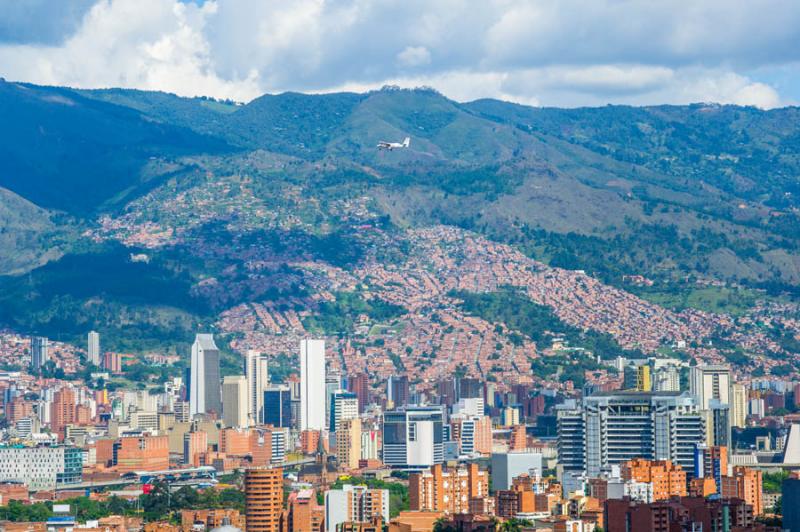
[[565, 53]]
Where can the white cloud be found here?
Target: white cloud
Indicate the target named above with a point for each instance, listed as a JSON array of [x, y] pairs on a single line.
[[414, 56], [571, 52]]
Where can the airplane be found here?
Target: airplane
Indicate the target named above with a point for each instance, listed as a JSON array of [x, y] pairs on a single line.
[[383, 145]]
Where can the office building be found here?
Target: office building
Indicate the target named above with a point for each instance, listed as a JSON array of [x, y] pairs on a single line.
[[738, 405], [447, 491], [235, 401], [256, 371], [359, 385], [370, 443], [40, 352], [397, 392], [333, 383], [610, 428], [667, 379], [718, 427], [42, 468], [312, 384], [355, 504], [141, 453], [790, 503], [204, 396], [263, 494], [93, 348], [280, 439], [413, 437], [711, 462], [473, 433], [507, 466], [62, 411], [344, 405], [194, 444], [277, 406], [710, 382], [348, 443]]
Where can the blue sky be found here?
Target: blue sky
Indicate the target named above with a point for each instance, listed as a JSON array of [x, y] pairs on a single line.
[[538, 52]]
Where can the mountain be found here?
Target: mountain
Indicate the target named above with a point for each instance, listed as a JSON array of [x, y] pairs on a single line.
[[217, 207]]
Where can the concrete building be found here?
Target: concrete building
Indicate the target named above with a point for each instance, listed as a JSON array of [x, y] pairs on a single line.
[[610, 428], [41, 468], [235, 401], [355, 504], [312, 384], [277, 406], [413, 437], [40, 352], [710, 382], [790, 504], [738, 405], [204, 389], [344, 405], [348, 443], [256, 371], [507, 466], [263, 493], [93, 348], [447, 491]]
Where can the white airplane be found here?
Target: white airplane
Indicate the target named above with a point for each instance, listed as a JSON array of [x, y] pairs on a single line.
[[383, 145]]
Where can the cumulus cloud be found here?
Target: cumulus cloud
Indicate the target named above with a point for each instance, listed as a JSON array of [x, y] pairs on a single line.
[[569, 53]]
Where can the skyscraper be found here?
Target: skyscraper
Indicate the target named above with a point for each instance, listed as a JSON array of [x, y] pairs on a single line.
[[348, 443], [39, 352], [312, 384], [62, 411], [397, 391], [344, 405], [204, 395], [359, 385], [93, 348], [710, 382], [333, 383], [413, 437], [738, 405], [263, 494], [278, 406], [256, 369], [613, 427], [235, 401]]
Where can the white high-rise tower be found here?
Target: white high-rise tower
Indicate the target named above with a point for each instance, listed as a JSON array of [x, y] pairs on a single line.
[[256, 369], [93, 348], [204, 385], [312, 384]]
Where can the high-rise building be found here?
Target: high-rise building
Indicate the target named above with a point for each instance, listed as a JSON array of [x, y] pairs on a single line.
[[447, 491], [738, 406], [62, 411], [610, 428], [359, 385], [344, 405], [790, 503], [473, 433], [333, 383], [413, 437], [39, 352], [204, 394], [277, 406], [397, 391], [667, 379], [235, 401], [263, 493], [312, 384], [710, 382], [348, 443], [93, 348], [718, 426], [711, 462], [256, 370], [746, 484], [355, 504]]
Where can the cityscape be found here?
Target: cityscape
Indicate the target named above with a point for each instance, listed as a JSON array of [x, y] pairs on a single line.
[[399, 266]]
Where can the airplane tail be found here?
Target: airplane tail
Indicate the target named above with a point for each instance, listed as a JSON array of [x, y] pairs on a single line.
[[406, 142]]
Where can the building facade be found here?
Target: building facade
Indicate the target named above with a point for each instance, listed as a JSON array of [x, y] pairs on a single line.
[[312, 384], [204, 389], [413, 437]]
